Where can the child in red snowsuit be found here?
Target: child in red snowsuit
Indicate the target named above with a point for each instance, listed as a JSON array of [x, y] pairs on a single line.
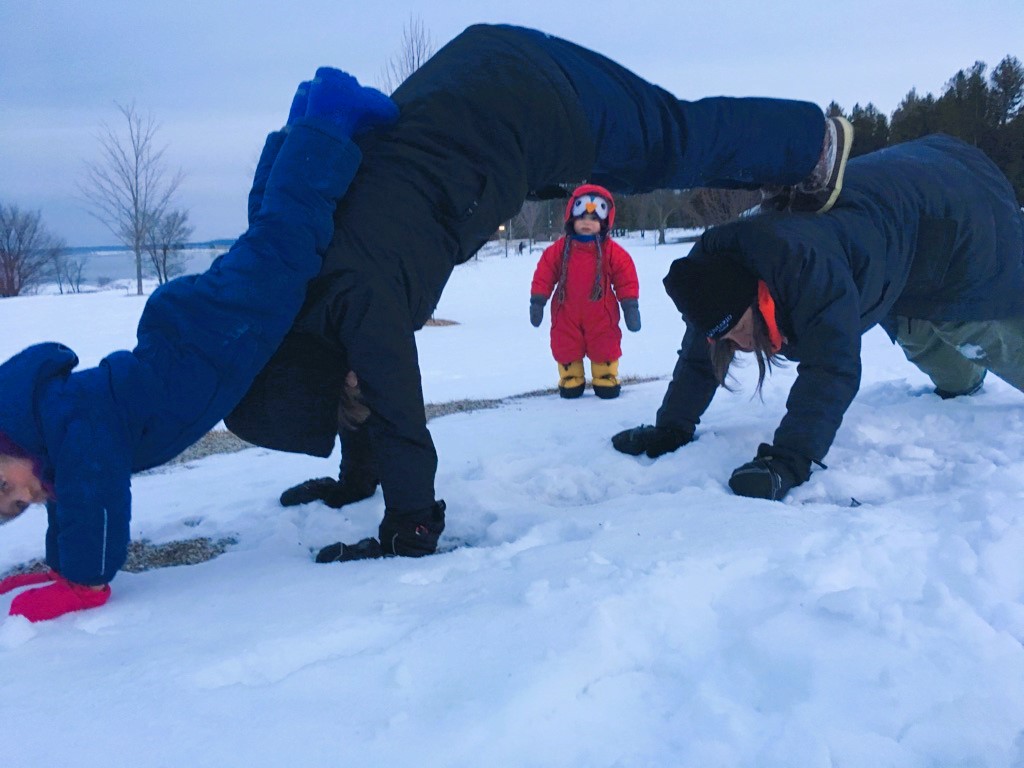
[[590, 275]]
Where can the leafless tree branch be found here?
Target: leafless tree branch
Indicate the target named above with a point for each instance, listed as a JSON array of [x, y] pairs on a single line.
[[129, 188]]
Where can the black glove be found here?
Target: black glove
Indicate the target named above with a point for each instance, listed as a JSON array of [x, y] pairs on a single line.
[[654, 441], [367, 549], [772, 473], [537, 310], [631, 314], [412, 534], [311, 490], [352, 487]]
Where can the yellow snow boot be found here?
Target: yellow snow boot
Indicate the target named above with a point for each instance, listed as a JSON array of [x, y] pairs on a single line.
[[606, 379], [571, 379]]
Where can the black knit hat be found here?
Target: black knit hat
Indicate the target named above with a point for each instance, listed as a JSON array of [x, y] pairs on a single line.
[[711, 291]]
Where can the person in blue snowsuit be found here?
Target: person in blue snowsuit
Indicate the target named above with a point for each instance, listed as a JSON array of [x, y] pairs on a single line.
[[73, 438], [926, 240], [497, 115]]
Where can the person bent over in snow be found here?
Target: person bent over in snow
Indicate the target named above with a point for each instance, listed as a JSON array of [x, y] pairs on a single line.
[[497, 115], [590, 275], [72, 438], [925, 240]]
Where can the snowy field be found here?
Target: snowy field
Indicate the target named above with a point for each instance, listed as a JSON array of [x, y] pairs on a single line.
[[590, 609]]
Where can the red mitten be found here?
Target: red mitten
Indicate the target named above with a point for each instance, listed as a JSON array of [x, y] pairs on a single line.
[[19, 580], [57, 599]]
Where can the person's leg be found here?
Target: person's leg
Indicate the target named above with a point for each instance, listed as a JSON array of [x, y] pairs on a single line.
[[646, 139], [605, 378], [603, 339], [357, 477], [997, 345], [571, 379], [945, 364], [568, 349]]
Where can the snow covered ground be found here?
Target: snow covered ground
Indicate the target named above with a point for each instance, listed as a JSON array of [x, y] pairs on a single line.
[[599, 610]]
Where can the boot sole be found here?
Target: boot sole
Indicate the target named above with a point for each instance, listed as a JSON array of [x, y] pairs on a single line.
[[845, 135]]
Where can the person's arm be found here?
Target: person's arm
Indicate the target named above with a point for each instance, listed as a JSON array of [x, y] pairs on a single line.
[[89, 519], [625, 282], [545, 276], [826, 324], [692, 387], [688, 396], [806, 269], [827, 327]]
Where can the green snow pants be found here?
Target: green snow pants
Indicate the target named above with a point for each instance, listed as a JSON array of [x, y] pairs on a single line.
[[957, 354]]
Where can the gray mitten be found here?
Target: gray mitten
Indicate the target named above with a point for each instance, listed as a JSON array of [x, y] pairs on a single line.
[[537, 310], [631, 314]]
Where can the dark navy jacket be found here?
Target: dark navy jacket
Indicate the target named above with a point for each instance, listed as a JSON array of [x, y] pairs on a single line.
[[497, 113], [927, 229], [201, 340]]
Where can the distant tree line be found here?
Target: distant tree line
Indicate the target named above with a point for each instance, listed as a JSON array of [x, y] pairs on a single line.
[[985, 112]]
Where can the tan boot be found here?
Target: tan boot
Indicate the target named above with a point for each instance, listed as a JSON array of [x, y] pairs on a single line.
[[606, 379], [571, 379]]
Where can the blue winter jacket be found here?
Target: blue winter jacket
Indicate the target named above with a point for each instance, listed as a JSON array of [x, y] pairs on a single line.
[[928, 229], [201, 340]]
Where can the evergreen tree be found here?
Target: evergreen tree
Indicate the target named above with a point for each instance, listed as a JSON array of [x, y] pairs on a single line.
[[1007, 92], [963, 109], [913, 118], [871, 129]]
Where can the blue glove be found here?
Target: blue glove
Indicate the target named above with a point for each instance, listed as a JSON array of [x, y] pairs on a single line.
[[299, 102], [353, 108]]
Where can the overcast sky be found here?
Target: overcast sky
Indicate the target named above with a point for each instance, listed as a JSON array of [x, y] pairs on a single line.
[[218, 76]]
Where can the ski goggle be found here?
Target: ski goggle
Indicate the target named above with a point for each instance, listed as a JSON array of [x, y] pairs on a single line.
[[594, 204]]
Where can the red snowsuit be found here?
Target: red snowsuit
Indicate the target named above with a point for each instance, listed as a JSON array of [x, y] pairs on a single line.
[[581, 326]]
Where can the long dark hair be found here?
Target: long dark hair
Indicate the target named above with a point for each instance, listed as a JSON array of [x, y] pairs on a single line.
[[724, 350]]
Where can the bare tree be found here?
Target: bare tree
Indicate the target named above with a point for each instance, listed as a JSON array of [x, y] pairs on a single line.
[[530, 218], [164, 243], [417, 46], [706, 207], [68, 271], [129, 188], [26, 249], [655, 209]]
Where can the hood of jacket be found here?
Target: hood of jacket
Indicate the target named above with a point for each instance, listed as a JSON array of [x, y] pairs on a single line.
[[593, 189], [22, 379]]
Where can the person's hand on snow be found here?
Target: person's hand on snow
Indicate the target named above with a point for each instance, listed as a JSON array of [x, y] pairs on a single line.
[[60, 596], [772, 473], [631, 314], [654, 441]]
